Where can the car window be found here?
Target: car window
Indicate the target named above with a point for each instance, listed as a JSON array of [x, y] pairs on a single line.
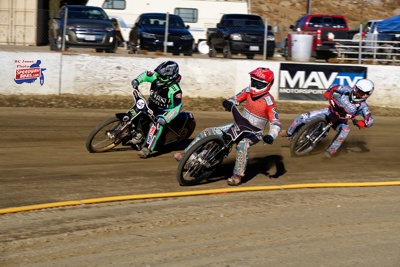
[[367, 27], [176, 22], [338, 23], [91, 14], [319, 22], [315, 22], [114, 4], [243, 22], [160, 21], [300, 23]]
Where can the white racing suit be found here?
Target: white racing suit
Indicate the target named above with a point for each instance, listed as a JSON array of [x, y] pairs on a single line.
[[339, 97]]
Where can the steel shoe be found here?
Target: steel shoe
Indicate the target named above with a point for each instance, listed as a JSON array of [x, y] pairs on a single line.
[[144, 153]]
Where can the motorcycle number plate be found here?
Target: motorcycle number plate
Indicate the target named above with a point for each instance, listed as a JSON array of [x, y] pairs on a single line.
[[140, 103]]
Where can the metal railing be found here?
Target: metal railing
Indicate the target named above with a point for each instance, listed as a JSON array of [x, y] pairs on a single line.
[[368, 51]]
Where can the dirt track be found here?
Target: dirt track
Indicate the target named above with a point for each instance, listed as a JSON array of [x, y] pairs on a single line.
[[43, 159]]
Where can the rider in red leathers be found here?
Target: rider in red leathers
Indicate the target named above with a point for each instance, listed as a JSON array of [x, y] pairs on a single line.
[[259, 110]]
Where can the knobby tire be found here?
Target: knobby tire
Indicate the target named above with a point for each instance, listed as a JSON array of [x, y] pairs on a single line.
[[299, 144], [192, 170], [98, 140]]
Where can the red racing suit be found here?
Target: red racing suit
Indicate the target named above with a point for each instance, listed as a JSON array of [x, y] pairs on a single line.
[[258, 111]]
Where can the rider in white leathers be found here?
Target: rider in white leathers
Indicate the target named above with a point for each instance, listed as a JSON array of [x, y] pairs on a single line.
[[350, 101]]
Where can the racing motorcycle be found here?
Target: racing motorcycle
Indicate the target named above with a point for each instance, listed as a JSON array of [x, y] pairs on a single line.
[[307, 136], [135, 127], [207, 154]]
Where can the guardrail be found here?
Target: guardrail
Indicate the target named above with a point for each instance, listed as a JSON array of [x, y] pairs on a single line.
[[379, 52]]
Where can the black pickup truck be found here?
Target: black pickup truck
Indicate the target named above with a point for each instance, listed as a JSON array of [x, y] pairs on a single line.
[[240, 34]]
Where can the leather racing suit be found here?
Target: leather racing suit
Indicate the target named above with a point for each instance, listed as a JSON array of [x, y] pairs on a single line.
[[258, 111], [166, 103], [340, 101]]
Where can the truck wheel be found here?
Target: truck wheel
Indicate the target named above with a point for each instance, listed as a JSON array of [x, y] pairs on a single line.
[[211, 51], [324, 55], [56, 43], [130, 48], [113, 48], [227, 51], [137, 48], [387, 50], [134, 46], [52, 41], [249, 56], [270, 54], [188, 53], [53, 44]]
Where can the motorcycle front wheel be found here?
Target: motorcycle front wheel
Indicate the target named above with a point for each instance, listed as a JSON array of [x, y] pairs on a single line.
[[201, 160], [106, 136], [303, 142]]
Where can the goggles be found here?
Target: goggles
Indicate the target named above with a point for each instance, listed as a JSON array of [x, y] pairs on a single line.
[[361, 94], [258, 84]]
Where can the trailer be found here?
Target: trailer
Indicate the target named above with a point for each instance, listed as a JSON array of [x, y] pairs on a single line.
[[197, 14]]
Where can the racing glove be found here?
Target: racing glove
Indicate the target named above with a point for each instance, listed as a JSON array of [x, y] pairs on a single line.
[[227, 105], [135, 84], [268, 139], [359, 124], [327, 95], [161, 121]]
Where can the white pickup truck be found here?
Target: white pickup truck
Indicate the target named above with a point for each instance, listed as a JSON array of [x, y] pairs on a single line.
[[380, 33]]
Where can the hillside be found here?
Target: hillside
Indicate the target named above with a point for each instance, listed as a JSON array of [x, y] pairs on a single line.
[[283, 13]]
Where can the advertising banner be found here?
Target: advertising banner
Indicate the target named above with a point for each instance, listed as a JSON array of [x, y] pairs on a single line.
[[309, 82]]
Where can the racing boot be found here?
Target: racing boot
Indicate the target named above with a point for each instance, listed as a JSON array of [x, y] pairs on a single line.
[[144, 153], [326, 155], [178, 156], [234, 180], [284, 133]]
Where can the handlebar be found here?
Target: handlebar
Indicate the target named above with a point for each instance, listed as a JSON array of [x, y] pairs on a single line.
[[141, 104]]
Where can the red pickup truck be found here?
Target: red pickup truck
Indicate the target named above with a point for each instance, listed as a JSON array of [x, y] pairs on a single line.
[[324, 28]]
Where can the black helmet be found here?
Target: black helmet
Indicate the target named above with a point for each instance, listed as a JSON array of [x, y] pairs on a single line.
[[167, 73]]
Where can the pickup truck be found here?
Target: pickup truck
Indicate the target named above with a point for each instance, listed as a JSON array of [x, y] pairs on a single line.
[[324, 28], [86, 27], [380, 33], [240, 34]]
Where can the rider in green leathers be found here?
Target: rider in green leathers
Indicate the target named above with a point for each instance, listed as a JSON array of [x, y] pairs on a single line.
[[165, 99]]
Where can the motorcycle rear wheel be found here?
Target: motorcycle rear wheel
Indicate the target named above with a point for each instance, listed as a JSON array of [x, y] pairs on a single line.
[[200, 161], [186, 132], [302, 142], [106, 136]]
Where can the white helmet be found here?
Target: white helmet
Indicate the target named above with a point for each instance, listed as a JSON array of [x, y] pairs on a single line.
[[362, 90]]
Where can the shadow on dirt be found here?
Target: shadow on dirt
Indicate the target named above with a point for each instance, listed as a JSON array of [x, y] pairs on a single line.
[[167, 149], [265, 165]]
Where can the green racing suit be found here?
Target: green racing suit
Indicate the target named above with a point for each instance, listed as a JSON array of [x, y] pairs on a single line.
[[165, 100]]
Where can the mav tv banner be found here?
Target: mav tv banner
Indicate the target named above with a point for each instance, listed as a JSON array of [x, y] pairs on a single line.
[[309, 82]]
